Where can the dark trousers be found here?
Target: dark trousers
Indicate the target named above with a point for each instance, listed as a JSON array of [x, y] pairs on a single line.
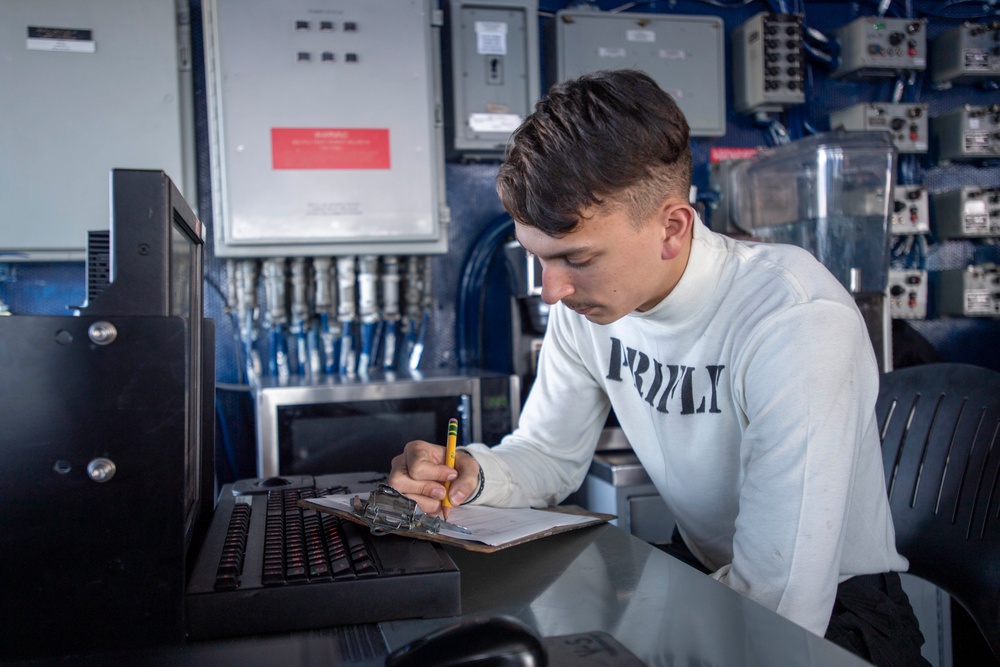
[[872, 616]]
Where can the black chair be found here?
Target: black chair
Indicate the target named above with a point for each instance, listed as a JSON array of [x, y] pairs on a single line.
[[941, 449]]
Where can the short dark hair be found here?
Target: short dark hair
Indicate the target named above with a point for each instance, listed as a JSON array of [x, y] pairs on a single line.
[[610, 137]]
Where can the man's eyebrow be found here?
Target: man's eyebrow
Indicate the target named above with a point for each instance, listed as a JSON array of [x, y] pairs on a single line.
[[566, 252]]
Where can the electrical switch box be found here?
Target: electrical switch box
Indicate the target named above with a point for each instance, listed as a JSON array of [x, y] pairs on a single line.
[[768, 73], [685, 55], [881, 46], [968, 53], [906, 122], [910, 210], [907, 293], [973, 291], [86, 88], [325, 127], [967, 212], [966, 133], [493, 78]]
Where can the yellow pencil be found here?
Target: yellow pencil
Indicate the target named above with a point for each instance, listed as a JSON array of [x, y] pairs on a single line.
[[449, 456]]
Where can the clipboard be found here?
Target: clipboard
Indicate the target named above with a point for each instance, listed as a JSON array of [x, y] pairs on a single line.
[[386, 511]]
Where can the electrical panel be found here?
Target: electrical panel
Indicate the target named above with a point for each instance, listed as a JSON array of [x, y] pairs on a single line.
[[973, 291], [906, 122], [685, 55], [968, 212], [87, 88], [326, 127], [881, 46], [967, 133], [907, 292], [967, 53], [910, 210], [493, 80], [768, 73]]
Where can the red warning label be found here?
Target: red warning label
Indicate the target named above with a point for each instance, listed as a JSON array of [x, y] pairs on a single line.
[[723, 153], [329, 148]]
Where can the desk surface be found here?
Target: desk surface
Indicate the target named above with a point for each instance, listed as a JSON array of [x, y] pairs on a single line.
[[593, 579], [661, 609]]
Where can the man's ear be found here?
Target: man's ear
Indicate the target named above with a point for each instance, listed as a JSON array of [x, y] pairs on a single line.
[[677, 221]]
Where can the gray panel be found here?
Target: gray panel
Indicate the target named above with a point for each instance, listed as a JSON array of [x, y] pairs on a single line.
[[880, 46], [906, 122], [325, 127], [77, 103], [965, 54], [768, 73], [685, 55], [495, 71]]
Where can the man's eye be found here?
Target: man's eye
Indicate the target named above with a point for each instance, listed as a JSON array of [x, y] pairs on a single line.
[[577, 264]]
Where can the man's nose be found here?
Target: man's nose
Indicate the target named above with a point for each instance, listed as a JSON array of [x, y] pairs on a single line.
[[556, 285]]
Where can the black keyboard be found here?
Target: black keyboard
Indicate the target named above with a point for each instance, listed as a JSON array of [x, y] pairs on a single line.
[[268, 565], [299, 544]]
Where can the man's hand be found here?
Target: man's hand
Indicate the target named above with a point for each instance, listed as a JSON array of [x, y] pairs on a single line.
[[420, 473]]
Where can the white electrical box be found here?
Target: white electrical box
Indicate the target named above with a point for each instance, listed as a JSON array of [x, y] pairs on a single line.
[[907, 123], [326, 127], [967, 133], [494, 73], [968, 53], [910, 210], [685, 55], [973, 291], [967, 212], [907, 293], [768, 72], [881, 46], [87, 87]]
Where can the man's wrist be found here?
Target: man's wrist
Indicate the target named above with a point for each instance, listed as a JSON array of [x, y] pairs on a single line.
[[479, 486]]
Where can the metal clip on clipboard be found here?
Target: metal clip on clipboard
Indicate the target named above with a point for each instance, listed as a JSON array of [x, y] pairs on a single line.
[[389, 511]]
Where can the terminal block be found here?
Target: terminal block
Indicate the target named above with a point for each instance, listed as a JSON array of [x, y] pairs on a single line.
[[910, 210], [967, 212], [907, 293], [767, 63], [881, 46], [967, 133], [968, 53], [973, 291], [906, 122]]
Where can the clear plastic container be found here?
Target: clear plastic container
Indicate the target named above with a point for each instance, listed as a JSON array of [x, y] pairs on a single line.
[[829, 193]]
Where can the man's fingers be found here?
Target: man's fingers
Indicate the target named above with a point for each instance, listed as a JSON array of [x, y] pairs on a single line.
[[420, 473], [468, 478]]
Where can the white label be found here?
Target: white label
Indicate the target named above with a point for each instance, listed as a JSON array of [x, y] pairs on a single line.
[[973, 123], [640, 35], [673, 54], [611, 52], [70, 40], [976, 223], [491, 38], [494, 122], [978, 302]]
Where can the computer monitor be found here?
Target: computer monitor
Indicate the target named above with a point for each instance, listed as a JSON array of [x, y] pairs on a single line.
[[152, 264], [106, 458]]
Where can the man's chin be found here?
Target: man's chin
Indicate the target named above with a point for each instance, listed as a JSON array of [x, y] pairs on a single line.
[[597, 315]]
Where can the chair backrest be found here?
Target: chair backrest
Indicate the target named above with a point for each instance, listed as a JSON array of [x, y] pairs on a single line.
[[941, 449]]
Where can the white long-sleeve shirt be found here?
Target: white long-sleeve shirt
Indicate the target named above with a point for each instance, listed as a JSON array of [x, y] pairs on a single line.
[[748, 394]]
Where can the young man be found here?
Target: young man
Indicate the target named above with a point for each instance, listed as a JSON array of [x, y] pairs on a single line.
[[742, 374]]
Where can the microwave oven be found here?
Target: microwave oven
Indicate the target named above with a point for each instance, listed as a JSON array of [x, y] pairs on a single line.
[[339, 425]]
